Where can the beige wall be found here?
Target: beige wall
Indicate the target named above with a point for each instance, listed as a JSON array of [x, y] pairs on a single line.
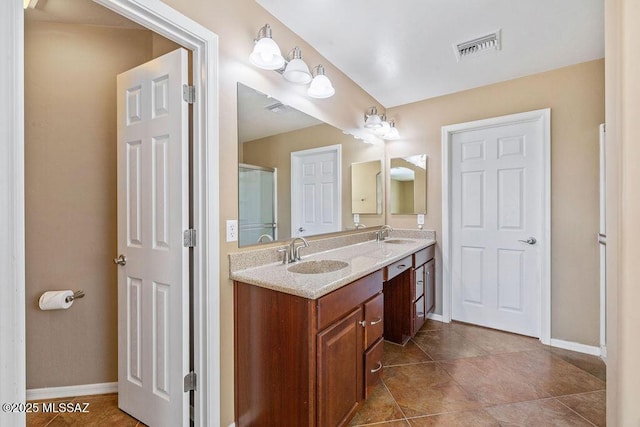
[[275, 152], [364, 184], [623, 211], [70, 162], [576, 97]]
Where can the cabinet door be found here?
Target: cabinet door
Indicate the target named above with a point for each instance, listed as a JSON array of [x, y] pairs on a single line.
[[340, 370], [430, 286], [373, 367]]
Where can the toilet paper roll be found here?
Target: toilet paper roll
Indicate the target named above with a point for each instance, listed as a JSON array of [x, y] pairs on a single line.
[[55, 300]]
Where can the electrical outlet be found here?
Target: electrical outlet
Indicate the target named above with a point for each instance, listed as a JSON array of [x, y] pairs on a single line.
[[420, 219], [356, 218], [232, 230]]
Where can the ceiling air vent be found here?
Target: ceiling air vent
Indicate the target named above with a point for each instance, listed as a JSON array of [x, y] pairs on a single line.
[[477, 46]]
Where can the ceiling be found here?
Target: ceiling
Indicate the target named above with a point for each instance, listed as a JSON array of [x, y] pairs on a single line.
[[401, 52]]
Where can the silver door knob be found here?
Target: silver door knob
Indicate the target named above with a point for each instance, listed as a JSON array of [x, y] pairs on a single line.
[[529, 241], [301, 229], [121, 260]]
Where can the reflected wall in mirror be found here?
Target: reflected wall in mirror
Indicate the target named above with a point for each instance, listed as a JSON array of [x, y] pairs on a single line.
[[408, 185], [366, 187], [268, 133]]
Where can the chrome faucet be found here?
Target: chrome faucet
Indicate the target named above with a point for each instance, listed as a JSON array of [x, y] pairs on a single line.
[[265, 238], [380, 233], [360, 225], [294, 251]]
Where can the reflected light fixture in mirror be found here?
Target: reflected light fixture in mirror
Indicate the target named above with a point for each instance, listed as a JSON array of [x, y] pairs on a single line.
[[266, 53], [379, 125]]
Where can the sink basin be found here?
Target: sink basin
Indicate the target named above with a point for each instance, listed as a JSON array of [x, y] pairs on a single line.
[[398, 241], [318, 267]]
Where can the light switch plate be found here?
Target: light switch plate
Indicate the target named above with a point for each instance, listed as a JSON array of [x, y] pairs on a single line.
[[356, 218], [232, 230], [420, 219]]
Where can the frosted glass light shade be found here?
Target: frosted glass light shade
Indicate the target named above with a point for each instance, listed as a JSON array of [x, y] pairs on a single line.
[[383, 129], [392, 134], [297, 72], [373, 122], [266, 55], [321, 87]]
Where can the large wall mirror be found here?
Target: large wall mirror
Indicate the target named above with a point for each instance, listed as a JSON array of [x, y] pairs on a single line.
[[408, 185], [294, 173]]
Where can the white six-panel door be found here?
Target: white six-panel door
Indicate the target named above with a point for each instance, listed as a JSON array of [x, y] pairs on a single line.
[[153, 203], [316, 201], [496, 216]]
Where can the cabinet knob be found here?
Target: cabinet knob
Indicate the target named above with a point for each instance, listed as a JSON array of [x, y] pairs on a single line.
[[363, 323]]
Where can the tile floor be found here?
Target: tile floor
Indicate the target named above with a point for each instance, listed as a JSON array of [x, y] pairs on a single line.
[[463, 375], [448, 375], [102, 411]]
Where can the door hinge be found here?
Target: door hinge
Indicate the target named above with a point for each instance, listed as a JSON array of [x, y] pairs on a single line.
[[189, 238], [190, 381], [189, 93]]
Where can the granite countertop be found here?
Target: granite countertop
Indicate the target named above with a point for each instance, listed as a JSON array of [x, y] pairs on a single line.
[[363, 258]]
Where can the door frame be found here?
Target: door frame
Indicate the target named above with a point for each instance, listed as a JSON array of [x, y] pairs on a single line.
[[544, 118], [173, 25], [295, 158]]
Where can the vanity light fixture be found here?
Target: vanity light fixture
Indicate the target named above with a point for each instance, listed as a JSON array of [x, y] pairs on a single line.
[[384, 126], [266, 53], [371, 119], [392, 133], [320, 86], [296, 70]]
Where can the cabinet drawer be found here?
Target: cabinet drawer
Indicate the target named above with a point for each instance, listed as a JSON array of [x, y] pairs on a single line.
[[397, 267], [333, 306], [423, 255], [373, 367], [373, 316]]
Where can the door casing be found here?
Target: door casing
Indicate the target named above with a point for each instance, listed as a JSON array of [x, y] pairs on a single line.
[[171, 24], [544, 118]]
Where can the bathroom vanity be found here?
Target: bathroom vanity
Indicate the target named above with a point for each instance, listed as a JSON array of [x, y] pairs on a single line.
[[309, 335]]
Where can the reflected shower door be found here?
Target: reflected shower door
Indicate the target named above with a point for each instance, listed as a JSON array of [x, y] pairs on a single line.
[[257, 204]]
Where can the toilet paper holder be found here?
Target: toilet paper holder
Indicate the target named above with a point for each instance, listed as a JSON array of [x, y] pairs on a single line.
[[76, 295]]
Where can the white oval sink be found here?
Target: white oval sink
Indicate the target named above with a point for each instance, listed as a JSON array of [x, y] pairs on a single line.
[[318, 267], [398, 241]]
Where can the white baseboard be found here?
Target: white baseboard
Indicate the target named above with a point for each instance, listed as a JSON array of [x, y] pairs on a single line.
[[71, 391], [436, 317], [574, 346]]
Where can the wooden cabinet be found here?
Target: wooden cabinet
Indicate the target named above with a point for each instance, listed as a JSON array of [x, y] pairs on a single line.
[[302, 362], [409, 295]]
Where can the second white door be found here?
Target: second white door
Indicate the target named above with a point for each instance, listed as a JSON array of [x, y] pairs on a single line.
[[496, 224]]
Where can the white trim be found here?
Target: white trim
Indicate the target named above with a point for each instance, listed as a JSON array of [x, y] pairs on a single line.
[[544, 116], [436, 317], [166, 21], [602, 241], [574, 346], [12, 255], [295, 182], [71, 391]]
